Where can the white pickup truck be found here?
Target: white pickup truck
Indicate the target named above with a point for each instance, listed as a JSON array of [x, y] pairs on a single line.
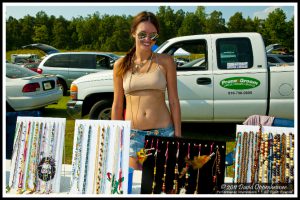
[[221, 78]]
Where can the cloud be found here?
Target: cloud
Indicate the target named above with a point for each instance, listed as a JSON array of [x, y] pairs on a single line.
[[264, 14]]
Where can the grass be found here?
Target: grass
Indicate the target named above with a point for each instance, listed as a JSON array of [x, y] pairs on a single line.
[[204, 131]]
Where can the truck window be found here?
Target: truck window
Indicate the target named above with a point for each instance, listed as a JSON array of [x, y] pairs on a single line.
[[189, 55], [234, 53]]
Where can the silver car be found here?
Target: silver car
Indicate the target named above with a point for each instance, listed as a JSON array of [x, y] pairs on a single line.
[[69, 66], [28, 90]]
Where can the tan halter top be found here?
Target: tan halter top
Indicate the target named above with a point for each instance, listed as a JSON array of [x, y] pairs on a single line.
[[152, 80]]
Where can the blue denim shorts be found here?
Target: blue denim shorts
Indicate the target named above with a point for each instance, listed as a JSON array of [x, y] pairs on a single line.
[[137, 137]]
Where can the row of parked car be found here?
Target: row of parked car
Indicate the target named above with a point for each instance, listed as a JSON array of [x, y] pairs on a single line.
[[46, 80]]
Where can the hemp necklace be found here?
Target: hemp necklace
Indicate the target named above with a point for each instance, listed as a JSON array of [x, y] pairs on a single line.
[[139, 96]]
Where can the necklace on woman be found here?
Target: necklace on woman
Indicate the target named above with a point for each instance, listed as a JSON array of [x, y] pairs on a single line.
[[140, 65]]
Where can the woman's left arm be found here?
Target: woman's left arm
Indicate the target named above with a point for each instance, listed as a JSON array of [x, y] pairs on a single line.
[[175, 110]]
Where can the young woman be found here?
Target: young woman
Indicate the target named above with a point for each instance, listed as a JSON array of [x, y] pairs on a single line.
[[144, 77]]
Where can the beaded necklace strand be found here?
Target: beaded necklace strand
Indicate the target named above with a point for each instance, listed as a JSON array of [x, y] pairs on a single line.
[[114, 172], [287, 168], [265, 164], [176, 172], [238, 152], [22, 168], [197, 181], [77, 161], [184, 188], [100, 162], [292, 159], [32, 161], [283, 158], [96, 160], [105, 155], [86, 160], [154, 170], [16, 157], [270, 158], [121, 160], [165, 169]]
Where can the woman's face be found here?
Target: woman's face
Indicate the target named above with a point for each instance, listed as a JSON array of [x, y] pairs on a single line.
[[145, 29]]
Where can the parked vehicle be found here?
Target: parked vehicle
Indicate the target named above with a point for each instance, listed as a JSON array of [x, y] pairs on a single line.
[[69, 66], [23, 58], [233, 83], [28, 90], [280, 60]]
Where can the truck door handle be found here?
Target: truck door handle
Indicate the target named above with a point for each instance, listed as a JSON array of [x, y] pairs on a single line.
[[203, 81]]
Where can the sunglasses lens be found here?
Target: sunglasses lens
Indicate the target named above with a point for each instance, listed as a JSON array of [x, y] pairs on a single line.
[[153, 36], [143, 35]]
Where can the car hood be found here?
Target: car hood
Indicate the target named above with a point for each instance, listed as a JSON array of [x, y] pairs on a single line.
[[47, 49], [98, 76]]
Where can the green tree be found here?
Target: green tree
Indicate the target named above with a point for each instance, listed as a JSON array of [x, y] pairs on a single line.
[[60, 33], [237, 23], [275, 27], [27, 24], [40, 34], [215, 23], [190, 25], [13, 36]]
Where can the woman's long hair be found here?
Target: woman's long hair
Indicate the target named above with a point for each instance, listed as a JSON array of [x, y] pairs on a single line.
[[141, 17]]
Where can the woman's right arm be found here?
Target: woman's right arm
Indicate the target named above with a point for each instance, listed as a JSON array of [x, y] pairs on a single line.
[[117, 106]]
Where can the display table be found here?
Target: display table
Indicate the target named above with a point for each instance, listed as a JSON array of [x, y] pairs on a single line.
[[66, 178]]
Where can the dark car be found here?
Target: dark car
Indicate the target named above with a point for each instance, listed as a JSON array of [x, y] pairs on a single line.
[[279, 60]]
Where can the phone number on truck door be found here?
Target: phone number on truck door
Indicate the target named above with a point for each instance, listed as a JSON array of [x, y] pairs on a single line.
[[239, 92]]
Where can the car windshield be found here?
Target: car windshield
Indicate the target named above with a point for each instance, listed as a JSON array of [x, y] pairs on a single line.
[[15, 71]]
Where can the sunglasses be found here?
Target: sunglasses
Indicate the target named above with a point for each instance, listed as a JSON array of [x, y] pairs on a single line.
[[142, 35]]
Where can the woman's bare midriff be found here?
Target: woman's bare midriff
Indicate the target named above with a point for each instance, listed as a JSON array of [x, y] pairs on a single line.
[[147, 110]]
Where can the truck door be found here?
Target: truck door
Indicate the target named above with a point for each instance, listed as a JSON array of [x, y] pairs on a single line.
[[240, 78], [194, 79]]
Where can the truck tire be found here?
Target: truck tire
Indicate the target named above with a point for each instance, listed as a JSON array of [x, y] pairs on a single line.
[[101, 110]]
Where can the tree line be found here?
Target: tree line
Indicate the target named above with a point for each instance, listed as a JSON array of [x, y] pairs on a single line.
[[112, 32]]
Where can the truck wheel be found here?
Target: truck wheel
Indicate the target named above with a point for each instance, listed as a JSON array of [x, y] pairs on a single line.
[[101, 110]]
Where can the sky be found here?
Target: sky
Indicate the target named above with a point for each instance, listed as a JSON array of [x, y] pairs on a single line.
[[70, 10]]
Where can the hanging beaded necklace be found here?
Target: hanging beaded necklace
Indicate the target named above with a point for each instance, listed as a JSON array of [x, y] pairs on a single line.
[[283, 158], [270, 158], [86, 160], [176, 172], [197, 181], [105, 155], [77, 160], [16, 156], [30, 186], [22, 168], [292, 159], [287, 168], [216, 164], [165, 169], [154, 170], [184, 188], [275, 143], [238, 152], [120, 161], [265, 161], [96, 160], [100, 162]]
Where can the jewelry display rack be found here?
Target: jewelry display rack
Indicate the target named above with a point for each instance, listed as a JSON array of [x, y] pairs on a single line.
[[100, 160], [264, 155], [37, 155], [182, 166]]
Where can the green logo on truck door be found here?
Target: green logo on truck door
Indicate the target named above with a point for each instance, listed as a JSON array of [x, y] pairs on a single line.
[[239, 83]]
